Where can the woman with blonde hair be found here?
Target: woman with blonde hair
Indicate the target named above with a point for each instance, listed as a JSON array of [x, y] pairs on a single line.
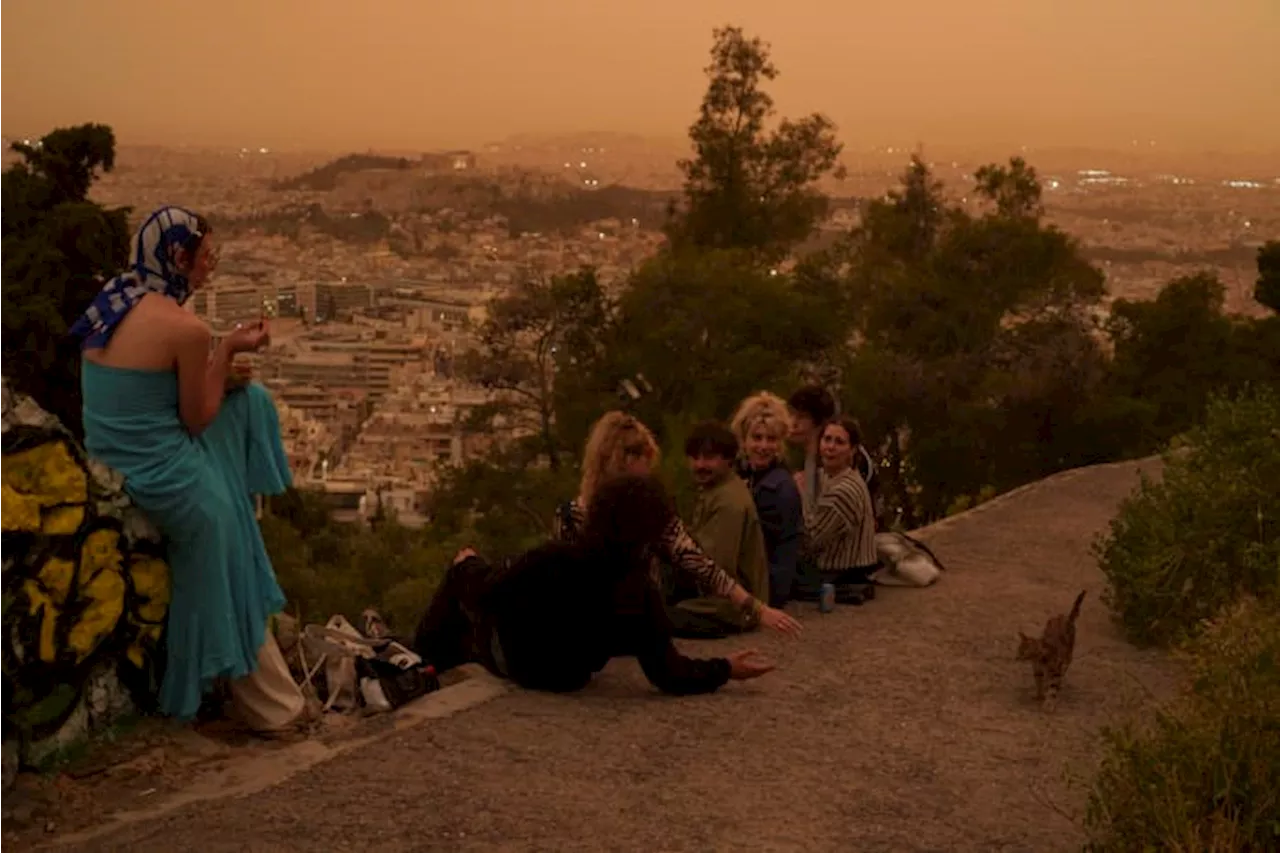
[[620, 444], [761, 424]]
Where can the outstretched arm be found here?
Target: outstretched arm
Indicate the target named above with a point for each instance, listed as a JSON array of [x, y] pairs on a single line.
[[663, 664], [681, 551]]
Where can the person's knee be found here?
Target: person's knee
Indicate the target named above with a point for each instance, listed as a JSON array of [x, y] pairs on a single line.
[[257, 393], [252, 397]]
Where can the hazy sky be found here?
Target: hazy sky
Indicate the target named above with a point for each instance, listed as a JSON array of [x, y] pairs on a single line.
[[425, 73]]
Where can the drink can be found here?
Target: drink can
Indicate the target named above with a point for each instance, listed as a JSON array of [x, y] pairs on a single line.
[[827, 598]]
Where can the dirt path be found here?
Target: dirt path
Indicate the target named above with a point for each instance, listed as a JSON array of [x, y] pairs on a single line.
[[902, 725]]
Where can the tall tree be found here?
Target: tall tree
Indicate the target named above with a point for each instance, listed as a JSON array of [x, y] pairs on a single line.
[[1172, 354], [530, 334], [1015, 188], [972, 337], [1267, 290], [58, 246], [749, 187], [707, 328]]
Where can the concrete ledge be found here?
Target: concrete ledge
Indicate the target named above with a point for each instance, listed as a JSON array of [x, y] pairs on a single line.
[[254, 772], [1022, 491]]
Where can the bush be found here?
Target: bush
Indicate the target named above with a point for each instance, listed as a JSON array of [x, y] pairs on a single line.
[[1181, 549], [1204, 773], [327, 567]]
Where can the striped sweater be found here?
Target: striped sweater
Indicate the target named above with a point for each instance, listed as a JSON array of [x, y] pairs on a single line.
[[841, 526], [677, 547]]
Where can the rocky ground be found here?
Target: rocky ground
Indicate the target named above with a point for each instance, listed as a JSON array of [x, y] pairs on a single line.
[[903, 725]]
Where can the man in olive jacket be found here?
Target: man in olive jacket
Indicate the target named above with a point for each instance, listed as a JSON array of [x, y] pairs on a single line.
[[726, 526]]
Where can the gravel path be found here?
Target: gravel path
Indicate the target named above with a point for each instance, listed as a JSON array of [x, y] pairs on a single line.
[[904, 725]]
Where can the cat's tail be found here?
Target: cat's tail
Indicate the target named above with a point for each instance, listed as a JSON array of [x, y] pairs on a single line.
[[1075, 608]]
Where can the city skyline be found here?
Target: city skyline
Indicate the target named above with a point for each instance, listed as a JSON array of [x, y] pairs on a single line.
[[1180, 74]]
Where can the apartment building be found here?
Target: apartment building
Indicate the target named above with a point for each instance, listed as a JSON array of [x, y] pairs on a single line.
[[338, 299]]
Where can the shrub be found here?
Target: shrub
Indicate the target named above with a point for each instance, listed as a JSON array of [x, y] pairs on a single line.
[[1181, 549], [1204, 773], [327, 567]]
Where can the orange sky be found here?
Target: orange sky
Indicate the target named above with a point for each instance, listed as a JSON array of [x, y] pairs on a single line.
[[427, 73]]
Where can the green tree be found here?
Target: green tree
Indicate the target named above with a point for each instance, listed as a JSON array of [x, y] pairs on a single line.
[[1171, 354], [58, 247], [1208, 532], [500, 505], [707, 328], [1203, 771], [327, 567], [1015, 189], [1267, 290], [972, 342], [544, 324], [749, 187]]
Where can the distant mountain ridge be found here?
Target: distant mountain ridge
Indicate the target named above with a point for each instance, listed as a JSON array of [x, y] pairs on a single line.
[[325, 178]]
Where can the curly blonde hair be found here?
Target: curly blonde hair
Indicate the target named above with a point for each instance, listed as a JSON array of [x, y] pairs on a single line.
[[762, 409], [614, 438]]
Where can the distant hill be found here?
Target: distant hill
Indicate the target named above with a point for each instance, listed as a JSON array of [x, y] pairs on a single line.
[[531, 200], [573, 208], [325, 178]]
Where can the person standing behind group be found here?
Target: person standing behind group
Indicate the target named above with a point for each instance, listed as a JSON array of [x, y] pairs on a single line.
[[809, 408], [761, 425]]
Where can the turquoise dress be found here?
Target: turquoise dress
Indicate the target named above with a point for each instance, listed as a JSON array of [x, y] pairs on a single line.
[[198, 492]]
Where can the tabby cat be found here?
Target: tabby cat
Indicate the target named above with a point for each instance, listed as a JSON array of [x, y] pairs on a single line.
[[1050, 653]]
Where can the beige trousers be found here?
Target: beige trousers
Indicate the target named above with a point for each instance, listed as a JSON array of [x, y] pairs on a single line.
[[267, 699]]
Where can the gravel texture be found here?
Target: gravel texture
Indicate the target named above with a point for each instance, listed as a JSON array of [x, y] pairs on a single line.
[[902, 725]]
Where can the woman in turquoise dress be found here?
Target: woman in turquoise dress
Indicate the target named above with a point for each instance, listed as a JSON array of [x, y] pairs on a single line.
[[194, 446]]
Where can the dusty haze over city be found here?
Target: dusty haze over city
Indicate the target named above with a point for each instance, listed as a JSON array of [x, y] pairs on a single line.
[[1187, 75], [1016, 239], [545, 136]]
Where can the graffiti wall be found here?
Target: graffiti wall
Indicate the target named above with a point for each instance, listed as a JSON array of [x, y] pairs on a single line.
[[85, 588]]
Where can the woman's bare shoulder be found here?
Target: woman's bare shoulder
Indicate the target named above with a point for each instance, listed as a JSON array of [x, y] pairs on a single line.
[[181, 323], [151, 334]]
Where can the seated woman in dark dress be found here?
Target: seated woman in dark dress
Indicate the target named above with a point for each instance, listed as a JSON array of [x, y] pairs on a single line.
[[554, 617]]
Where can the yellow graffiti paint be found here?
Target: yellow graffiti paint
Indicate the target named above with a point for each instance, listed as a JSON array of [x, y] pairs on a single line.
[[46, 475], [98, 596], [45, 489], [151, 585], [19, 512], [47, 592], [150, 577], [101, 592], [62, 520], [56, 577], [104, 595]]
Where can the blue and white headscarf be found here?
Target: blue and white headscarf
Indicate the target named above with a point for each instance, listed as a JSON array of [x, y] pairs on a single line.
[[153, 270]]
